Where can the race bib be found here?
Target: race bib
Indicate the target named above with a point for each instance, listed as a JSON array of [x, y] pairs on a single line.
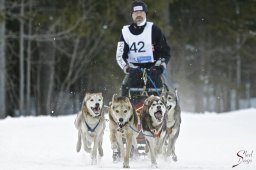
[[140, 46]]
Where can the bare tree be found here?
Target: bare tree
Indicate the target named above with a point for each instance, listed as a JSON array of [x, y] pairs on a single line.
[[2, 62], [80, 56], [22, 67], [238, 59], [28, 75]]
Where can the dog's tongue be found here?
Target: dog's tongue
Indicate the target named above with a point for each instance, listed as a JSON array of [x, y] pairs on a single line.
[[158, 115], [95, 109]]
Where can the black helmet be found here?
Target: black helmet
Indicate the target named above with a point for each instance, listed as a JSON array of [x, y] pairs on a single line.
[[139, 6]]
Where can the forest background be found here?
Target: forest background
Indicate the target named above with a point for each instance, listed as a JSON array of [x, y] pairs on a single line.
[[54, 51]]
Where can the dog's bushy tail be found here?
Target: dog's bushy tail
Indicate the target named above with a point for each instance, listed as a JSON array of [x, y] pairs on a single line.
[[79, 142]]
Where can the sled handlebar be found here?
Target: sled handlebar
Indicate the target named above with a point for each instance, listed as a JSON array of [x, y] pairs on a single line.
[[142, 89]]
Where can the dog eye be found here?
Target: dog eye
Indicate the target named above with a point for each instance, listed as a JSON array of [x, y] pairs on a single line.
[[125, 111], [153, 104], [91, 100], [161, 103], [117, 111], [169, 98], [99, 100]]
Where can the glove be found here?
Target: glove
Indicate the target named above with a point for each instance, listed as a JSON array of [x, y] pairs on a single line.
[[159, 67], [157, 70], [161, 62], [130, 68]]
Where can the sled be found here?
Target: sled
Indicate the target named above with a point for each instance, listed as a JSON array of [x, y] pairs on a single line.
[[137, 96]]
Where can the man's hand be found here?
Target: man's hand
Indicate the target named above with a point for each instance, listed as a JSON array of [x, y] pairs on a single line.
[[158, 68], [130, 68], [161, 62]]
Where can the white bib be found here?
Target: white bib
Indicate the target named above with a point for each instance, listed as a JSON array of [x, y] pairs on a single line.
[[140, 46]]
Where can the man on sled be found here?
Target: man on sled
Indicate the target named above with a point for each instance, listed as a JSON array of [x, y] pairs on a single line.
[[142, 46]]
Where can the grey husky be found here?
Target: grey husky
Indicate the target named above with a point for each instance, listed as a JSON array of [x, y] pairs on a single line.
[[173, 122]]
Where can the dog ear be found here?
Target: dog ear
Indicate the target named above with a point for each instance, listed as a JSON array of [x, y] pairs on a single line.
[[100, 94], [146, 102], [176, 94], [127, 100], [164, 89], [163, 98], [87, 96], [114, 98]]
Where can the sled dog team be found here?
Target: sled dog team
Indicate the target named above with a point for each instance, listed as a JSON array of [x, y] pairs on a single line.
[[159, 118]]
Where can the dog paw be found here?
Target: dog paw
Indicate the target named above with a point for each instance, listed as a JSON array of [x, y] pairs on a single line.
[[78, 146], [126, 166], [93, 161], [116, 157], [114, 146], [100, 152], [99, 162], [154, 165], [174, 158]]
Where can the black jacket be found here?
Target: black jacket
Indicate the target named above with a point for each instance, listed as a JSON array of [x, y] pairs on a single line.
[[161, 48]]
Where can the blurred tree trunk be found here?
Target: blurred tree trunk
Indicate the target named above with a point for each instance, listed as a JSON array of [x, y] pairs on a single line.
[[229, 89], [248, 94], [238, 57], [198, 97], [28, 82], [47, 55], [2, 62], [200, 67], [238, 72], [22, 67]]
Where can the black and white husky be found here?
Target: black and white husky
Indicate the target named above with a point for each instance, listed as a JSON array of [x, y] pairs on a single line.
[[153, 125]]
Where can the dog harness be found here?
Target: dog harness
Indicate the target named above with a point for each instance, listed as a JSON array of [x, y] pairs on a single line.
[[151, 132], [157, 134], [92, 129]]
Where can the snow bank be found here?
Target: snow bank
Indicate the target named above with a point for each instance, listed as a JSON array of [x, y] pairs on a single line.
[[207, 141]]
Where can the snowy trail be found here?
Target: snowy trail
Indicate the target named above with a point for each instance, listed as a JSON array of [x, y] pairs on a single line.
[[206, 141]]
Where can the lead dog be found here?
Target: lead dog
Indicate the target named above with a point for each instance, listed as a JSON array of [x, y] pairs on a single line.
[[122, 124], [153, 124], [90, 124], [173, 122]]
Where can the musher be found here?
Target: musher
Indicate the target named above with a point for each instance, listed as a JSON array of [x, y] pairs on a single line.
[[141, 45]]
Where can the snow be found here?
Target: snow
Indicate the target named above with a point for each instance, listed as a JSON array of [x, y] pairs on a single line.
[[206, 141]]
